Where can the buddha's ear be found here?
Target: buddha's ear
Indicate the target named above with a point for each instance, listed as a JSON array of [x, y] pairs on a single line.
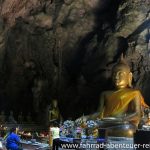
[[130, 79]]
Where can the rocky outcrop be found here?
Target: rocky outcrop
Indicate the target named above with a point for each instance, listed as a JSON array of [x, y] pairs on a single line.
[[65, 50]]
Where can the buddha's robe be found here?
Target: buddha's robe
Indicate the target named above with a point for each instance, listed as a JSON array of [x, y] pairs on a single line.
[[54, 114], [119, 100]]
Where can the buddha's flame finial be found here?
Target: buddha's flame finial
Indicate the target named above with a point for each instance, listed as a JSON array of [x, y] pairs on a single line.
[[122, 60], [122, 63], [121, 57]]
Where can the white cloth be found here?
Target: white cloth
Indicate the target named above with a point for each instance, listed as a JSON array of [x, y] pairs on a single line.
[[55, 132], [1, 146]]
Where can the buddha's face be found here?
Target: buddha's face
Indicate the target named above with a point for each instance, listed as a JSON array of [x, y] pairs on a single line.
[[54, 103], [121, 77]]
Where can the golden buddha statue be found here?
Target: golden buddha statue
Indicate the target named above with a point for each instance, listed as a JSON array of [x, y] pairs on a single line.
[[54, 113], [123, 103]]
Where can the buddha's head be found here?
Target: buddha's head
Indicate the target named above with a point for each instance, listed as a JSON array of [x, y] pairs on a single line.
[[121, 74], [54, 103]]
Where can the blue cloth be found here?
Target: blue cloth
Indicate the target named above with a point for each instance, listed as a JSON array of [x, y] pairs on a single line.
[[12, 141]]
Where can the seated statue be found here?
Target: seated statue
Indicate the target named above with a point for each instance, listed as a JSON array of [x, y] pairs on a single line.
[[29, 118], [2, 117], [11, 118], [20, 118], [54, 113], [123, 103]]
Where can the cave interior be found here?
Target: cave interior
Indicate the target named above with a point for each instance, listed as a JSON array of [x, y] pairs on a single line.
[[65, 50]]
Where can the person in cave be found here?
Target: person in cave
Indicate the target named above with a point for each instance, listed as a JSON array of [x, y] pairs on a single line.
[[13, 140]]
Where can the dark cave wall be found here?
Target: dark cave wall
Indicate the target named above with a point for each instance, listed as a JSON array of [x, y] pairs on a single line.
[[27, 67], [66, 49]]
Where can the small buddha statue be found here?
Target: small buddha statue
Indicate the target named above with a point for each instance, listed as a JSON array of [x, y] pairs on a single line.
[[29, 118], [2, 117], [20, 118], [11, 118], [54, 113], [123, 103]]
